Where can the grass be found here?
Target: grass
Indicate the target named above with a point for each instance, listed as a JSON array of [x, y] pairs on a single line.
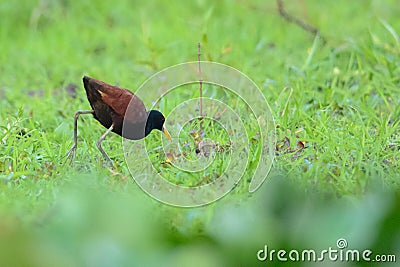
[[336, 107]]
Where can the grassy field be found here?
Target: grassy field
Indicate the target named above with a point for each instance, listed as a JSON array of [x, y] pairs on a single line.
[[335, 98]]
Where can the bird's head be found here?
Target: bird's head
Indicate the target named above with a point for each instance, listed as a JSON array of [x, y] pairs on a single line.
[[155, 120]]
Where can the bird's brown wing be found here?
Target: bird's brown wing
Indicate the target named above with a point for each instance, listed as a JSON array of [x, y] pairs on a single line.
[[118, 99]]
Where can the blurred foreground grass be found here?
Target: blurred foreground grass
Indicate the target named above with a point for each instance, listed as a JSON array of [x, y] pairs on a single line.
[[91, 224]]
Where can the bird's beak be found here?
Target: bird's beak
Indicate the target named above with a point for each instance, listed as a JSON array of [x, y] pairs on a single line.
[[165, 131]]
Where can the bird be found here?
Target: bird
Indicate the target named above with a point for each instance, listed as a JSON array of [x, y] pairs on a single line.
[[119, 111]]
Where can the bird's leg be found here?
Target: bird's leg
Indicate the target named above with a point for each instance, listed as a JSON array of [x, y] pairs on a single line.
[[101, 149], [72, 152]]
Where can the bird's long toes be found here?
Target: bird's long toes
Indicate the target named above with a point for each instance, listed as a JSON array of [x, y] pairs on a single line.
[[70, 156]]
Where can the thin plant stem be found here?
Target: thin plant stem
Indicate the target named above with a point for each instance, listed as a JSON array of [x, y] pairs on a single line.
[[201, 89]]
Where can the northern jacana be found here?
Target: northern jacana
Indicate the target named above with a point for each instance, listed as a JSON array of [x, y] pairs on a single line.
[[109, 106]]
